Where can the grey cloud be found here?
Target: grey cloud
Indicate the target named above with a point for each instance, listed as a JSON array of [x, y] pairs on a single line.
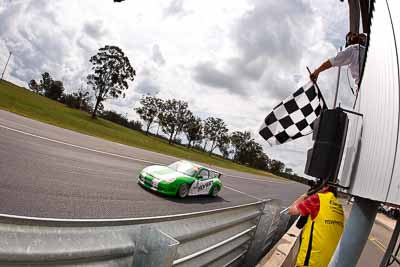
[[175, 8], [276, 34], [266, 44], [38, 42], [94, 29], [278, 86], [91, 36], [206, 73], [9, 12], [251, 70], [157, 56], [147, 87], [144, 71]]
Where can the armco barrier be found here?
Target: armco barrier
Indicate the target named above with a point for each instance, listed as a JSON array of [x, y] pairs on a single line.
[[234, 236]]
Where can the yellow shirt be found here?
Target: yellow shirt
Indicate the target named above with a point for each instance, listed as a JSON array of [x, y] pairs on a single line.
[[321, 235]]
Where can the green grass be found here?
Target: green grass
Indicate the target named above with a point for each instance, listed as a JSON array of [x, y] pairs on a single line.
[[23, 102]]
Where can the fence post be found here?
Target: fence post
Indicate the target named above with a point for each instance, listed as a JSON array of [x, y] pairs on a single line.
[[154, 248], [264, 223]]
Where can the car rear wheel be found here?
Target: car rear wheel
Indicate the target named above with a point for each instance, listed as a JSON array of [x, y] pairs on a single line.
[[183, 190], [215, 191]]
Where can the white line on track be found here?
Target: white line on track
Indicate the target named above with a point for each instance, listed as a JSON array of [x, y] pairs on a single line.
[[125, 157], [76, 146], [116, 155], [235, 190]]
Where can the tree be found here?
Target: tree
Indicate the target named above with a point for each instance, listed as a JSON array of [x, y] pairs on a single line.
[[261, 161], [115, 117], [55, 91], [49, 87], [70, 100], [238, 140], [276, 166], [151, 107], [171, 117], [249, 152], [193, 129], [34, 87], [135, 125], [214, 128], [184, 115], [45, 82], [83, 98], [111, 71], [167, 118], [223, 143], [289, 171], [79, 100]]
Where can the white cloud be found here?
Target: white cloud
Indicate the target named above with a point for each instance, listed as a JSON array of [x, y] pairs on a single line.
[[230, 59]]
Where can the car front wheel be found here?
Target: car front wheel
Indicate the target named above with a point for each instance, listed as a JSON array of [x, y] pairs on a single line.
[[183, 190]]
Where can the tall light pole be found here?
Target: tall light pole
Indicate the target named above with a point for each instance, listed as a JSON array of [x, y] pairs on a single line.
[[5, 67]]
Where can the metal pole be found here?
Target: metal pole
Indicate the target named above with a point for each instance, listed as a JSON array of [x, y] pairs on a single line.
[[337, 84], [356, 232], [316, 85], [5, 67], [392, 244]]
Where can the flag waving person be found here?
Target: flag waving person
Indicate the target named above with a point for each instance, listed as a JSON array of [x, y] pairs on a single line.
[[352, 56], [322, 216]]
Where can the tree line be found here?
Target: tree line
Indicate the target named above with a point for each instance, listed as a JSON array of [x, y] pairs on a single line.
[[174, 118], [111, 70]]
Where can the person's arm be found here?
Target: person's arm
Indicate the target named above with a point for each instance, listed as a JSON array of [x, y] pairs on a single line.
[[324, 66], [293, 210]]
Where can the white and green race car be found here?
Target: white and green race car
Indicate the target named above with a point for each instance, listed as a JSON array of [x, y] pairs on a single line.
[[182, 178]]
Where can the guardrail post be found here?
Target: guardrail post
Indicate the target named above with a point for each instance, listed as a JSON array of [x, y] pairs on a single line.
[[264, 222], [154, 248]]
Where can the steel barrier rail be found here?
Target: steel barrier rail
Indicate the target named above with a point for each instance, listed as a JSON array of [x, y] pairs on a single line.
[[267, 234], [228, 232], [25, 220], [220, 237], [196, 254]]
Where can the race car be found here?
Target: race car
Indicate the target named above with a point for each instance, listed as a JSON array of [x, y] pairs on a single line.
[[182, 178]]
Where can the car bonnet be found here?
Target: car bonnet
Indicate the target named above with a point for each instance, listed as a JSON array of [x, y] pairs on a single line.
[[164, 173]]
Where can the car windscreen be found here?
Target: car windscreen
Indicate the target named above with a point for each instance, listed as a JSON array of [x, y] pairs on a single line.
[[184, 167]]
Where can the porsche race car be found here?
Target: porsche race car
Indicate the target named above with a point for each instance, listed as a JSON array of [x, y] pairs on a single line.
[[182, 178]]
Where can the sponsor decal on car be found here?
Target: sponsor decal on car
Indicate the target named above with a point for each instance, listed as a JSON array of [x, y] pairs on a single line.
[[200, 187], [155, 183]]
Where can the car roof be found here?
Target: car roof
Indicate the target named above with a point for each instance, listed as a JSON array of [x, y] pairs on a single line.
[[201, 166]]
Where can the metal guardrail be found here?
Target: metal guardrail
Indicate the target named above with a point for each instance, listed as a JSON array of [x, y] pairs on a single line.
[[234, 236]]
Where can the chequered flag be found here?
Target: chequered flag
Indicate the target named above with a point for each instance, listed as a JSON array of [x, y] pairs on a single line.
[[294, 116]]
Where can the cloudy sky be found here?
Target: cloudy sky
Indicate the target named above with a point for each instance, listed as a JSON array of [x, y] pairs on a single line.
[[230, 59]]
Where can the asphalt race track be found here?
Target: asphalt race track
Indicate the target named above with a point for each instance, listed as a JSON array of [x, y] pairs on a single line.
[[46, 171]]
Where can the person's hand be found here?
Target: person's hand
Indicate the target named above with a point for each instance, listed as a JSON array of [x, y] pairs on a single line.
[[304, 196], [314, 76]]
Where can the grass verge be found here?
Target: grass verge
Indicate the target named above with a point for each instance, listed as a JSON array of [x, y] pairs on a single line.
[[21, 101]]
